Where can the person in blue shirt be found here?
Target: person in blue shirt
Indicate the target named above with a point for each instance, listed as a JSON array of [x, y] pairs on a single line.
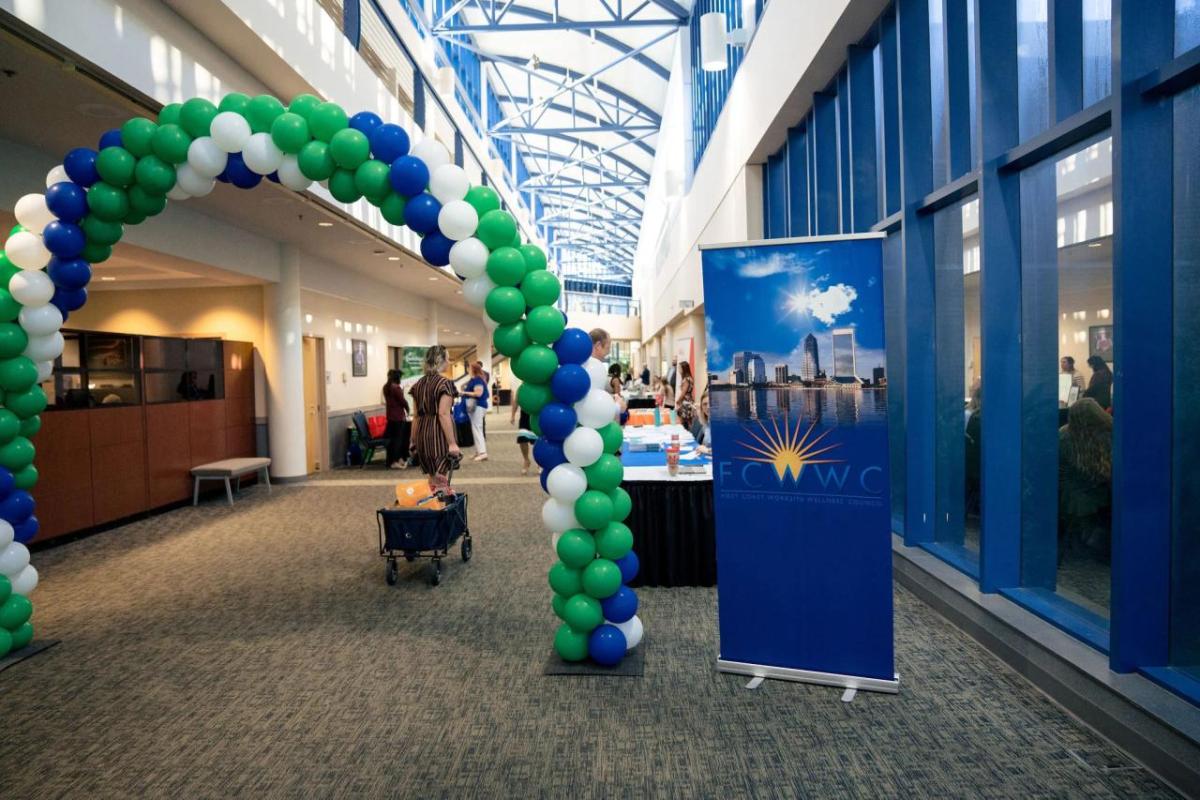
[[476, 393]]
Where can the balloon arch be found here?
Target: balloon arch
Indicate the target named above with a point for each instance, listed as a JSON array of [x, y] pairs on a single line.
[[46, 266]]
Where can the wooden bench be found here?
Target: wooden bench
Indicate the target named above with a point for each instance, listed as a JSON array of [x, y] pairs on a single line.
[[230, 468]]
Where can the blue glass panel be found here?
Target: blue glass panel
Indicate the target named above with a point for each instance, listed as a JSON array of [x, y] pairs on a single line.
[[1033, 67], [937, 81], [894, 326], [1097, 50], [1187, 25], [709, 89], [973, 100], [777, 208]]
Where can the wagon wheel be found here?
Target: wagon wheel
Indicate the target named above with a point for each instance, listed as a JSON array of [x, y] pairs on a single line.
[[391, 572], [465, 547], [435, 573]]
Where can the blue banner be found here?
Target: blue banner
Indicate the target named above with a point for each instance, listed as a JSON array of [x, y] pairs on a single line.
[[798, 392]]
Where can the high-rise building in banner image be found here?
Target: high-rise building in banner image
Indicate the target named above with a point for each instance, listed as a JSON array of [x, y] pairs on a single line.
[[810, 366], [757, 369], [781, 373], [843, 353]]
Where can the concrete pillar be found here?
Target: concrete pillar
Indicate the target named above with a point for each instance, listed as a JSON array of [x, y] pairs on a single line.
[[283, 362], [700, 347], [431, 322]]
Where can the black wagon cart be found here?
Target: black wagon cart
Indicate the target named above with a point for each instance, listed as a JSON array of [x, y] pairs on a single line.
[[424, 532]]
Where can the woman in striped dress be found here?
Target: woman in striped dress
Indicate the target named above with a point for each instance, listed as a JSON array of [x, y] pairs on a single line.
[[433, 432]]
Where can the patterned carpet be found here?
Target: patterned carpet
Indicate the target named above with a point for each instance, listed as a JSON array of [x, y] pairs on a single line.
[[216, 652]]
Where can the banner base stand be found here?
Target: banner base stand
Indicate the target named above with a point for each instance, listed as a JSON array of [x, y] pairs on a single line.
[[808, 676]]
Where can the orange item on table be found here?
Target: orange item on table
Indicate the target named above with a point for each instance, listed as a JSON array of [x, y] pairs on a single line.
[[641, 416]]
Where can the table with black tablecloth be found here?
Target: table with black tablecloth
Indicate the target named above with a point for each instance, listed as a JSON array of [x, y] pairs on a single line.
[[672, 521]]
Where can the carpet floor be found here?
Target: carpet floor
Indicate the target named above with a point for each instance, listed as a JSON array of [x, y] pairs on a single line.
[[217, 652]]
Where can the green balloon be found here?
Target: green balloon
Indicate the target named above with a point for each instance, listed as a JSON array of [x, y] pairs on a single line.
[[15, 611], [545, 324], [134, 217], [22, 636], [541, 288], [154, 177], [393, 208], [576, 548], [510, 339], [170, 143], [371, 178], [557, 602], [483, 199], [326, 120], [601, 578], [613, 437], [28, 403], [7, 268], [143, 202], [101, 231], [496, 229], [622, 504], [17, 374], [535, 425], [315, 162], [535, 257], [196, 117], [289, 131], [12, 340], [536, 363], [108, 202], [10, 426], [236, 102], [614, 541], [349, 148], [594, 509], [262, 111], [505, 304], [26, 478], [506, 266], [116, 165], [343, 187], [303, 105], [605, 474], [6, 588], [570, 644], [95, 253], [30, 426], [17, 454], [516, 240], [136, 135], [583, 613], [565, 580], [9, 307], [533, 397], [170, 114], [6, 642]]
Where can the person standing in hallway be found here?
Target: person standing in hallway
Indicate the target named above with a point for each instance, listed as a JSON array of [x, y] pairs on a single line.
[[669, 385], [433, 435], [601, 343], [1066, 366], [1100, 386], [526, 438], [476, 392], [685, 398], [398, 428], [645, 376]]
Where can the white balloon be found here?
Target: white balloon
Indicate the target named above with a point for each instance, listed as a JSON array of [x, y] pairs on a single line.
[[458, 219], [290, 174], [57, 175], [45, 370], [31, 288], [230, 131], [27, 250], [597, 370], [32, 212], [176, 192], [559, 516], [566, 483], [554, 537], [430, 151], [596, 410], [261, 155], [206, 158], [477, 289], [192, 182], [40, 320], [632, 628], [469, 257], [44, 348], [449, 183], [13, 559], [583, 447], [6, 534], [25, 581]]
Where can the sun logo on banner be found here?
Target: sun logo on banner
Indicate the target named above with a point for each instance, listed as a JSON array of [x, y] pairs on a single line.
[[788, 450]]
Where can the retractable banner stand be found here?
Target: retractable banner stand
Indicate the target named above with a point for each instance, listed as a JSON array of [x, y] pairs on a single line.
[[798, 392]]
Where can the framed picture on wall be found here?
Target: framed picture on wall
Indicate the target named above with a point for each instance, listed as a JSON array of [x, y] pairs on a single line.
[[358, 358], [1100, 342]]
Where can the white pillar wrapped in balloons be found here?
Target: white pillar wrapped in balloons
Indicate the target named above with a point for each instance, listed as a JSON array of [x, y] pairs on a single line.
[[190, 147]]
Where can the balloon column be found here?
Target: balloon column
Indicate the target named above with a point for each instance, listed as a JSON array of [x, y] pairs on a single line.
[[136, 169]]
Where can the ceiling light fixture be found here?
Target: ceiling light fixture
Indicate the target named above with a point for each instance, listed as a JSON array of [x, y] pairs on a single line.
[[324, 224], [393, 258], [107, 278]]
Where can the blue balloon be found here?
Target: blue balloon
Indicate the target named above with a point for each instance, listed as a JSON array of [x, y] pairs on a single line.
[[570, 383], [388, 142], [548, 454], [435, 248], [67, 201], [273, 177], [239, 174], [421, 214], [64, 239], [557, 420], [69, 274], [629, 566], [366, 122], [80, 165], [545, 474], [28, 529], [111, 139], [68, 300], [17, 507], [606, 645], [621, 606], [409, 176], [7, 483], [573, 347]]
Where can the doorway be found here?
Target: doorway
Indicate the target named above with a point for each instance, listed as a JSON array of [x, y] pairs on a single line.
[[316, 420]]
